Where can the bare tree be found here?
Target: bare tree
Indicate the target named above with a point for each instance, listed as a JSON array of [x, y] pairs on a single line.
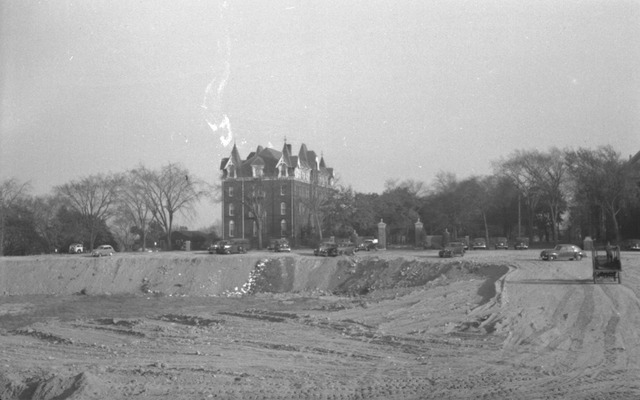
[[121, 228], [94, 198], [521, 169], [11, 191], [135, 206], [45, 210], [316, 202], [169, 191], [551, 174], [604, 180], [255, 201]]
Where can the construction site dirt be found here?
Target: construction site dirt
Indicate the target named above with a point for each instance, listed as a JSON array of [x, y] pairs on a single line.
[[395, 324]]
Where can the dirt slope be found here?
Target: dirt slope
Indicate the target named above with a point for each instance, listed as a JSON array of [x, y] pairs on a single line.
[[385, 325]]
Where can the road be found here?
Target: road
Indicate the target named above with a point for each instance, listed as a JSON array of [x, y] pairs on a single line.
[[547, 332]]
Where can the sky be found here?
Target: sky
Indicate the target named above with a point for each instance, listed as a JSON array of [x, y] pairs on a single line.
[[384, 90]]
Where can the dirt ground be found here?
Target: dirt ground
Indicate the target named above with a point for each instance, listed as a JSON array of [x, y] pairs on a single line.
[[379, 325]]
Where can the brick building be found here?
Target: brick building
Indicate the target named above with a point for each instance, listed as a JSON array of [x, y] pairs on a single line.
[[283, 188]]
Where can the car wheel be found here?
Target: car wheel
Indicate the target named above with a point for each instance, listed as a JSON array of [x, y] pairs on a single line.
[[551, 258], [578, 257]]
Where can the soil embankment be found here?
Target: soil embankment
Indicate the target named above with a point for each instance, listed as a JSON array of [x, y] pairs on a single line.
[[200, 274], [399, 324]]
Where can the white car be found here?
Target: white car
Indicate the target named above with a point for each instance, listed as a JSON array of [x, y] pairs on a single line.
[[104, 250], [76, 248]]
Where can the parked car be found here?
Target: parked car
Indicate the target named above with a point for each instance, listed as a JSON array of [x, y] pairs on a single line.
[[213, 248], [103, 250], [367, 245], [281, 245], [563, 252], [326, 250], [452, 249], [521, 243], [479, 244], [76, 248], [632, 245], [233, 246], [501, 243]]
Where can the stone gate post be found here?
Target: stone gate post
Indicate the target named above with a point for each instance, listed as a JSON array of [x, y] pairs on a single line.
[[418, 233], [382, 235]]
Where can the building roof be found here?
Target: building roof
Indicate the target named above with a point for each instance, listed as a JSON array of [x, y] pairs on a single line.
[[271, 158]]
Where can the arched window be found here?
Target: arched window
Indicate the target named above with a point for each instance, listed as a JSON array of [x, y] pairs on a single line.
[[230, 191], [232, 209], [232, 229], [283, 227], [283, 208]]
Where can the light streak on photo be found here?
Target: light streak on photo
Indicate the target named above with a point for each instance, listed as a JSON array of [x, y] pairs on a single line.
[[214, 114]]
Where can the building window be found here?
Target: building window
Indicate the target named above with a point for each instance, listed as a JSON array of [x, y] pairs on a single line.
[[257, 171], [283, 171], [283, 228], [230, 191], [231, 171], [255, 229], [232, 209], [283, 208], [282, 191], [232, 229]]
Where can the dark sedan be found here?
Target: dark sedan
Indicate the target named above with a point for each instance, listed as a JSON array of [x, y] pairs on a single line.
[[452, 249], [501, 243], [563, 252], [479, 244], [326, 250]]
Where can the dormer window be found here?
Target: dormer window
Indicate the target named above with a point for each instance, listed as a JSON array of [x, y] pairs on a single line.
[[257, 171], [231, 171], [283, 171]]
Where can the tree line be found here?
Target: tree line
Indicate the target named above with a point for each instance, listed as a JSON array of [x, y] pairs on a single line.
[[112, 208], [547, 196]]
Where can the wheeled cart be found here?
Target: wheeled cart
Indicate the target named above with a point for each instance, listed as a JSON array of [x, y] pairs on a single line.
[[606, 264]]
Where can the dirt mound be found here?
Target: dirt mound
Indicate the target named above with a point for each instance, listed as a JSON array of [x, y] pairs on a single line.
[[80, 386], [195, 274], [360, 276]]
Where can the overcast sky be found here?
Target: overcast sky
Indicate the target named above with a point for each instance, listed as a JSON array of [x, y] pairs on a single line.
[[383, 89]]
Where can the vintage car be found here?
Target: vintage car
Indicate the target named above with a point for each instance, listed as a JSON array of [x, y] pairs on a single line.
[[453, 249], [213, 249], [326, 250], [501, 243], [521, 243], [479, 244], [563, 252], [281, 245], [367, 245], [232, 246], [103, 250], [632, 245], [76, 248]]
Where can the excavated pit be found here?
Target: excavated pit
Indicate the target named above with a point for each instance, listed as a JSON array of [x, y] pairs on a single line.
[[194, 274]]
